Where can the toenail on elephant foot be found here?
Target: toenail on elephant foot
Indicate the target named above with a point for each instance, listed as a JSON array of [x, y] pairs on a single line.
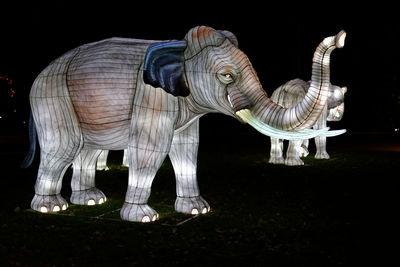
[[90, 197], [138, 213], [48, 204], [192, 205]]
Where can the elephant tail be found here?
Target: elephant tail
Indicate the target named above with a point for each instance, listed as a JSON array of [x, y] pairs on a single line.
[[32, 140]]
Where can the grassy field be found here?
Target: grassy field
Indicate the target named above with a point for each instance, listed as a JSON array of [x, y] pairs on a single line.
[[327, 213]]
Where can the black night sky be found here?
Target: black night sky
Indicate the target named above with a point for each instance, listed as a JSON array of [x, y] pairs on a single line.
[[278, 39]]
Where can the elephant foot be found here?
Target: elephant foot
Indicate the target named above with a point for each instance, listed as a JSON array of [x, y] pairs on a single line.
[[89, 197], [138, 213], [102, 168], [276, 160], [322, 155], [293, 161], [191, 205], [303, 151], [50, 203]]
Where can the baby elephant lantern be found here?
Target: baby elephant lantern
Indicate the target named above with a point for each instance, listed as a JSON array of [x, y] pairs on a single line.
[[288, 95], [148, 96]]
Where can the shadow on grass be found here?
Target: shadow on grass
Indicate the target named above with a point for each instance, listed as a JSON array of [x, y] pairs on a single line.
[[327, 213]]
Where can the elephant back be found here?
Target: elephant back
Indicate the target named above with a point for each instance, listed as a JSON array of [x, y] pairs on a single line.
[[102, 79], [51, 82], [290, 93]]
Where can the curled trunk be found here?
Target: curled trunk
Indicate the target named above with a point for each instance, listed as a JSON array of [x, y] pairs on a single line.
[[303, 116]]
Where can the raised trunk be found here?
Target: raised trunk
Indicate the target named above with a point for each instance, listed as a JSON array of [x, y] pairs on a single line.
[[306, 112]]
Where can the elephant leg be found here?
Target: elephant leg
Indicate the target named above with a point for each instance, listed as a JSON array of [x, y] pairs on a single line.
[[320, 141], [102, 161], [276, 155], [49, 181], [84, 191], [143, 166], [304, 148], [183, 155], [293, 155], [60, 141], [320, 144], [125, 162], [149, 144]]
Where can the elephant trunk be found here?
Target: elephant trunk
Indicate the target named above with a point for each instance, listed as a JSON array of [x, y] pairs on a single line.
[[269, 115]]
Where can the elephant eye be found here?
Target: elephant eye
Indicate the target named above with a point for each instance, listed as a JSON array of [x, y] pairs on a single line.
[[226, 77]]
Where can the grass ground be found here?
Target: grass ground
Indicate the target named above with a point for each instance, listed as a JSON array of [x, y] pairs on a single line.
[[332, 212]]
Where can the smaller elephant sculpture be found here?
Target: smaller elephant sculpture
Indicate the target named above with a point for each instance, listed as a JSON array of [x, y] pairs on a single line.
[[288, 95], [102, 160]]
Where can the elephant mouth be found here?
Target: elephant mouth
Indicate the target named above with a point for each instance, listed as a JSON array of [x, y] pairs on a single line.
[[237, 100]]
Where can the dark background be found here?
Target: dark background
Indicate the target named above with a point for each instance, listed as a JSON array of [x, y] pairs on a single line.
[[327, 213], [279, 40]]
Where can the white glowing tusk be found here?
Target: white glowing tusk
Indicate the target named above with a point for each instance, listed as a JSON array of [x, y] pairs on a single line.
[[265, 129], [333, 133], [230, 101]]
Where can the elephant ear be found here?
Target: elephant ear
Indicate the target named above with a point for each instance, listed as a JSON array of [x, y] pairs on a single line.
[[163, 67], [230, 36]]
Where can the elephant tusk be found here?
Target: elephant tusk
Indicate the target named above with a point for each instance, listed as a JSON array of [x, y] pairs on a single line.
[[246, 116], [230, 101], [333, 133]]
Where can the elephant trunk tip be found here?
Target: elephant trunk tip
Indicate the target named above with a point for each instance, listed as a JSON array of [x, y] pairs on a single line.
[[340, 37]]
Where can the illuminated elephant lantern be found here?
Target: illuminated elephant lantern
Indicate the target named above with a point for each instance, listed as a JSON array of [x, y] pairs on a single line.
[[288, 95], [148, 96]]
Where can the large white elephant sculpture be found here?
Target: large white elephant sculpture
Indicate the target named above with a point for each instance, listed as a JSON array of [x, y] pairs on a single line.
[[148, 96], [288, 95]]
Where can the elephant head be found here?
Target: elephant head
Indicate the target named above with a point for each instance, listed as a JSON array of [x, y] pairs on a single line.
[[336, 103], [214, 75]]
